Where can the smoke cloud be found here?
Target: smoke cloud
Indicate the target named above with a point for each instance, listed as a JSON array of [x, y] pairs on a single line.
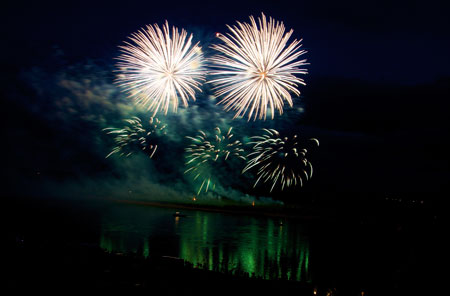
[[74, 103]]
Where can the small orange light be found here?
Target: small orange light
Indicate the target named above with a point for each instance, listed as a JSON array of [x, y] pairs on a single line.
[[253, 203], [194, 199]]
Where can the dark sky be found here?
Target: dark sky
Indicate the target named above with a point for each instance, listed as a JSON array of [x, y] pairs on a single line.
[[393, 41], [376, 95]]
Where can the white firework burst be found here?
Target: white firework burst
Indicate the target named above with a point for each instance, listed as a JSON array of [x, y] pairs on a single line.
[[255, 68], [159, 67], [279, 160], [205, 155]]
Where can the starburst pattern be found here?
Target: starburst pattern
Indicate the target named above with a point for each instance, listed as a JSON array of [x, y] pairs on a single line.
[[134, 137], [256, 68], [279, 160], [159, 67], [205, 155]]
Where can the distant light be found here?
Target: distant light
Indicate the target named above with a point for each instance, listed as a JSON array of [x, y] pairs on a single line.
[[315, 291], [194, 199], [253, 203]]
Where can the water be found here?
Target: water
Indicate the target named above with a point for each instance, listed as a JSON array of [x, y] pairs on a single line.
[[379, 251], [260, 247]]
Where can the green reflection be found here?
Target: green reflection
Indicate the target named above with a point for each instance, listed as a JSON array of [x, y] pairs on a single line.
[[145, 251], [257, 247]]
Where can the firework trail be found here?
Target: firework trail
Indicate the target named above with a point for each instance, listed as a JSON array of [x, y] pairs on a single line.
[[205, 155], [279, 160], [159, 67], [134, 136], [255, 68]]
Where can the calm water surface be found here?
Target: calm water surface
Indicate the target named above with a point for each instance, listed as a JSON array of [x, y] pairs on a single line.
[[382, 251], [263, 247]]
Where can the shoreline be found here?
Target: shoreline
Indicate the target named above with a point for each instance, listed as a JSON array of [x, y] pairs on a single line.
[[228, 209]]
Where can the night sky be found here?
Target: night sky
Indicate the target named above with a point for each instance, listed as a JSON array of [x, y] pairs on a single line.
[[376, 97]]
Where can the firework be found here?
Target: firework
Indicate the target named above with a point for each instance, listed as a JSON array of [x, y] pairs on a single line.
[[279, 160], [205, 155], [134, 136], [255, 68], [159, 67]]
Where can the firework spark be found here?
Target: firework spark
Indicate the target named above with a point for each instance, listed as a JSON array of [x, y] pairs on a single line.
[[134, 135], [159, 67], [256, 67], [205, 155], [279, 160]]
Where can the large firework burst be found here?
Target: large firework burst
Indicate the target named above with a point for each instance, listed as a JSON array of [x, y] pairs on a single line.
[[256, 68], [205, 155], [159, 67], [134, 136], [279, 160]]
